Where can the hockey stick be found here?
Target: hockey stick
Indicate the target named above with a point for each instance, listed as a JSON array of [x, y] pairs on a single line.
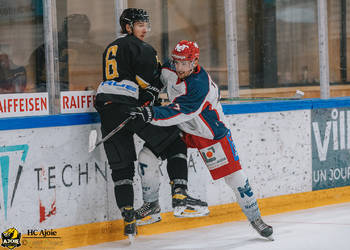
[[93, 135], [298, 95]]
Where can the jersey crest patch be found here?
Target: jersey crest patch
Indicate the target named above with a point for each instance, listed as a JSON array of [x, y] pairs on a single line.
[[214, 156]]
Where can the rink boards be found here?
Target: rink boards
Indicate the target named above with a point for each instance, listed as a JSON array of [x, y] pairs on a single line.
[[295, 153]]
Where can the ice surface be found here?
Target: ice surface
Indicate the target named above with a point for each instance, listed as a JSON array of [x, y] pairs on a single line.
[[322, 228]]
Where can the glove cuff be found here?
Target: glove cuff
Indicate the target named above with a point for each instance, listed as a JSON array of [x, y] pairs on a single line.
[[149, 114], [152, 88]]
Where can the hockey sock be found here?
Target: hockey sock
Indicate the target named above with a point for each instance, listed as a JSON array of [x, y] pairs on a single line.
[[178, 183], [177, 170], [244, 194], [123, 186], [177, 163], [124, 193], [148, 169]]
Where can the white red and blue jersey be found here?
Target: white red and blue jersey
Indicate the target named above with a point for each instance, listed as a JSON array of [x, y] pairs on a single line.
[[195, 105]]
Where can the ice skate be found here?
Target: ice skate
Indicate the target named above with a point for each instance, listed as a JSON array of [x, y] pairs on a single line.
[[187, 206], [130, 228], [149, 213], [262, 228]]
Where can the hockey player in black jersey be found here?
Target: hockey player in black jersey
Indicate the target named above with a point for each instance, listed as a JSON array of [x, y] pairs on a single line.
[[131, 78]]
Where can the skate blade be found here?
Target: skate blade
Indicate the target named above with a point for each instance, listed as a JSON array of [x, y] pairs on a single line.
[[188, 213], [178, 211], [191, 212], [149, 220], [131, 238], [270, 238]]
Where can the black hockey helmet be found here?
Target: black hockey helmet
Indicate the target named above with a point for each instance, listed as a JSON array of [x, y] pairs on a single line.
[[132, 15]]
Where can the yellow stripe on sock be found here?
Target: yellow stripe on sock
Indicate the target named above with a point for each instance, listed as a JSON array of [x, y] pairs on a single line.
[[128, 223]]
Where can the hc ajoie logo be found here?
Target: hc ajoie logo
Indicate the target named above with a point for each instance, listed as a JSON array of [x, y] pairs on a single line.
[[7, 167], [44, 233], [11, 238]]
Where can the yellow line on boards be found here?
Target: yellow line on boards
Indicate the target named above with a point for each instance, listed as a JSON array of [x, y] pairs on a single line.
[[99, 232]]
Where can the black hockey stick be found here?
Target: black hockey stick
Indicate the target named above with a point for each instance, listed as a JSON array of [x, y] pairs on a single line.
[[298, 95], [93, 135]]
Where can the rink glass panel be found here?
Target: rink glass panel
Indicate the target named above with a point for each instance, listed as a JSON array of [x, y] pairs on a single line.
[[85, 27], [22, 32], [277, 43]]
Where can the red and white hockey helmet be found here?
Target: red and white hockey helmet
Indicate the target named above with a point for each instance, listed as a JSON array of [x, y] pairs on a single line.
[[185, 51]]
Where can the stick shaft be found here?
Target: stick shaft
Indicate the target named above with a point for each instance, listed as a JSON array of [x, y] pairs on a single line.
[[110, 134]]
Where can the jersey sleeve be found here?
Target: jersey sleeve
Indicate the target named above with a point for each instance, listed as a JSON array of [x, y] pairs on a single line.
[[147, 68], [183, 108]]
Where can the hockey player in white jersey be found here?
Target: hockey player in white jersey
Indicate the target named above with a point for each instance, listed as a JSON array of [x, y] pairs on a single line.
[[196, 109]]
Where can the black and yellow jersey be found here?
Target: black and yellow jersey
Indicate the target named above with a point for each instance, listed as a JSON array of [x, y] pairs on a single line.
[[129, 65]]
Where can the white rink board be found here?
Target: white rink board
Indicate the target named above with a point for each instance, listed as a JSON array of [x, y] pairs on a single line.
[[274, 149]]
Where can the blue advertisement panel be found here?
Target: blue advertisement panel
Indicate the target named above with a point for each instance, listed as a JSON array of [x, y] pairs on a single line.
[[330, 138]]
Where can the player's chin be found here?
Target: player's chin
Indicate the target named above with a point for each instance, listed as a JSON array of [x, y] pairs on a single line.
[[181, 75]]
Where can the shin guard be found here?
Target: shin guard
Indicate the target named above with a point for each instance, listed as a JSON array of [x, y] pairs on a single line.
[[244, 194], [148, 168]]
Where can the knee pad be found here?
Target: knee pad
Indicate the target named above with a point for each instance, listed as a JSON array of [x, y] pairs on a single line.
[[148, 169], [125, 173], [177, 148], [236, 179], [148, 163]]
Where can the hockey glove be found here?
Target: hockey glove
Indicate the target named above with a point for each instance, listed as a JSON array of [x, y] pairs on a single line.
[[148, 96], [145, 113]]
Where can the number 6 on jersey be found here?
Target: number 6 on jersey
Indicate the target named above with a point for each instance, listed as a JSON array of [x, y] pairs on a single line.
[[111, 63]]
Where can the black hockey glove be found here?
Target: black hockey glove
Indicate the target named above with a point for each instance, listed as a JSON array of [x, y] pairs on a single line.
[[148, 96], [157, 102], [145, 113]]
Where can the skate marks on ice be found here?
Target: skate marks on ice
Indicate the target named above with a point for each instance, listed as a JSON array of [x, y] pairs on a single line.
[[210, 237], [320, 228]]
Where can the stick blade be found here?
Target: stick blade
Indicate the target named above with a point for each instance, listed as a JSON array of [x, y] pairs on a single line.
[[92, 140]]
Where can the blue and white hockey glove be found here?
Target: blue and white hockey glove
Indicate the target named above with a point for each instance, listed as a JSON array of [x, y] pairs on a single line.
[[144, 113]]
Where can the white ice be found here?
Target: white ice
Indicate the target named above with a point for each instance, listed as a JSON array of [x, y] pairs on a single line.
[[322, 228]]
